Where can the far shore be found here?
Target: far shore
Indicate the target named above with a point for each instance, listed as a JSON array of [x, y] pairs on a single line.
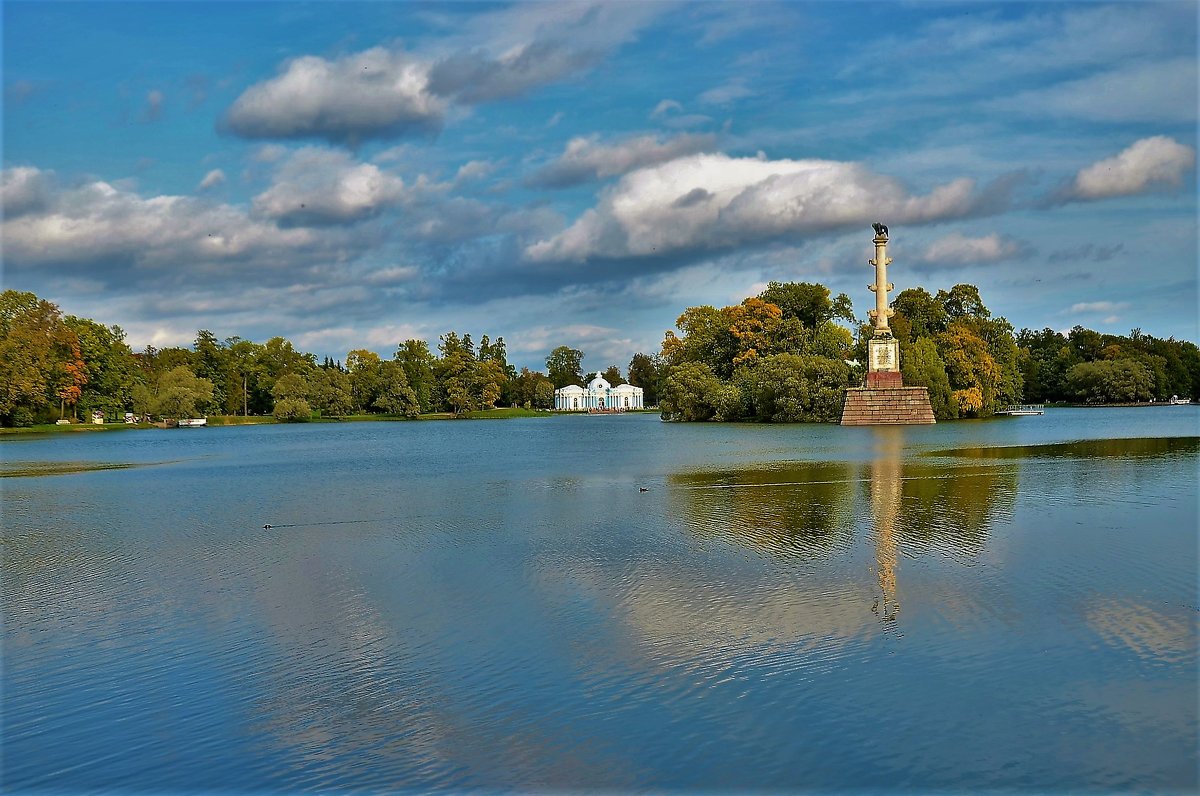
[[499, 413]]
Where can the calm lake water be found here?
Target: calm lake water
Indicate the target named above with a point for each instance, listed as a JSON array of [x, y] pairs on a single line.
[[1009, 604]]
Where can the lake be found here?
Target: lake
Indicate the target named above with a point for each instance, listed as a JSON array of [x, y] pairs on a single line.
[[498, 605]]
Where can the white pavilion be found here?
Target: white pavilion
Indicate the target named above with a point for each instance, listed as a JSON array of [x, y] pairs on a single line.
[[598, 395]]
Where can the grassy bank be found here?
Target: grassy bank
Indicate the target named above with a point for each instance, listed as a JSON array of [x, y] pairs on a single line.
[[255, 420]]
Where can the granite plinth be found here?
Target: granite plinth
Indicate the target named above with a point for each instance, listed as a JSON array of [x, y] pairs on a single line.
[[887, 406]]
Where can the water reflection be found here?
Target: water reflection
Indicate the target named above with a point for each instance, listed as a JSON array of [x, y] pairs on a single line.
[[886, 487], [812, 512]]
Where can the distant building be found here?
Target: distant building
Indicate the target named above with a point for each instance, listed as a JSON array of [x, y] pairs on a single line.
[[598, 395]]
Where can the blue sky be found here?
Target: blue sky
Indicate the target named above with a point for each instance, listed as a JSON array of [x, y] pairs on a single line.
[[351, 175]]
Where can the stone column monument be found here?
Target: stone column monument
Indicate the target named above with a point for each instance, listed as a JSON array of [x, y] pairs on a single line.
[[884, 400], [883, 350]]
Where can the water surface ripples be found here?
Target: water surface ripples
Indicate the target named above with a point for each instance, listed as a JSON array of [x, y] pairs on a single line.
[[1002, 605]]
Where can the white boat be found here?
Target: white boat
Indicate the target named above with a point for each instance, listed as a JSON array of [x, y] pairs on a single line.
[[193, 422], [1177, 401], [1023, 409]]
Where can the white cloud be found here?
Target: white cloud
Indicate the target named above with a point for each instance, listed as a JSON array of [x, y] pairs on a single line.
[[1151, 161], [956, 248], [586, 158], [22, 190], [474, 170], [726, 93], [665, 107], [716, 202], [1098, 307], [377, 93], [212, 179], [323, 186], [97, 222]]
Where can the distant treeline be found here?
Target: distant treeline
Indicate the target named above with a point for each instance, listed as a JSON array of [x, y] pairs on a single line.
[[780, 356], [53, 366]]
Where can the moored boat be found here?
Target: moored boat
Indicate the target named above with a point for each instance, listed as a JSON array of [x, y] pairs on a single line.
[[193, 422]]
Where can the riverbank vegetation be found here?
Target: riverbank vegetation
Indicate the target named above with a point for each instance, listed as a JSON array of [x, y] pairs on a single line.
[[785, 355]]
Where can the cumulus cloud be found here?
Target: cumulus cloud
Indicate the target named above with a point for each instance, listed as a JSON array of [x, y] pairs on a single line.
[[586, 158], [23, 189], [97, 222], [377, 93], [956, 249], [212, 179], [474, 170], [713, 202], [1155, 161], [316, 186]]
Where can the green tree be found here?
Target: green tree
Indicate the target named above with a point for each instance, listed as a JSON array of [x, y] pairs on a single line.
[[563, 366], [418, 363], [291, 399], [922, 367], [180, 393], [329, 392], [112, 371], [646, 371], [692, 392], [366, 377], [925, 315], [612, 374], [1110, 381], [787, 388], [543, 393], [809, 303], [396, 397]]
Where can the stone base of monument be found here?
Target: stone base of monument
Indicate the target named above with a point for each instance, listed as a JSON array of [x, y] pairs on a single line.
[[887, 405]]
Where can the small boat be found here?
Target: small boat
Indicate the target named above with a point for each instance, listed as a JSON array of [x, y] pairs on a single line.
[[1177, 401], [193, 422], [1017, 410]]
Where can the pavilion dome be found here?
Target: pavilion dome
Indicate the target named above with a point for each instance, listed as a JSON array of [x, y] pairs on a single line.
[[598, 383]]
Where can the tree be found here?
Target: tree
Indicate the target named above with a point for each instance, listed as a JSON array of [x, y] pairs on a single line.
[[365, 377], [563, 366], [291, 399], [211, 362], [807, 302], [543, 393], [612, 374], [245, 372], [181, 393], [1110, 381], [396, 397], [963, 301], [973, 373], [112, 371], [692, 392], [329, 392], [922, 367], [646, 371], [35, 347], [925, 315], [418, 364], [787, 388]]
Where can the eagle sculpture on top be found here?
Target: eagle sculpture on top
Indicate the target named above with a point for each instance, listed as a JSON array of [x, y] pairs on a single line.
[[880, 229]]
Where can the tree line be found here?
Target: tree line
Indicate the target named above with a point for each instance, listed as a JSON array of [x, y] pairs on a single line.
[[54, 365], [781, 356], [785, 355]]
